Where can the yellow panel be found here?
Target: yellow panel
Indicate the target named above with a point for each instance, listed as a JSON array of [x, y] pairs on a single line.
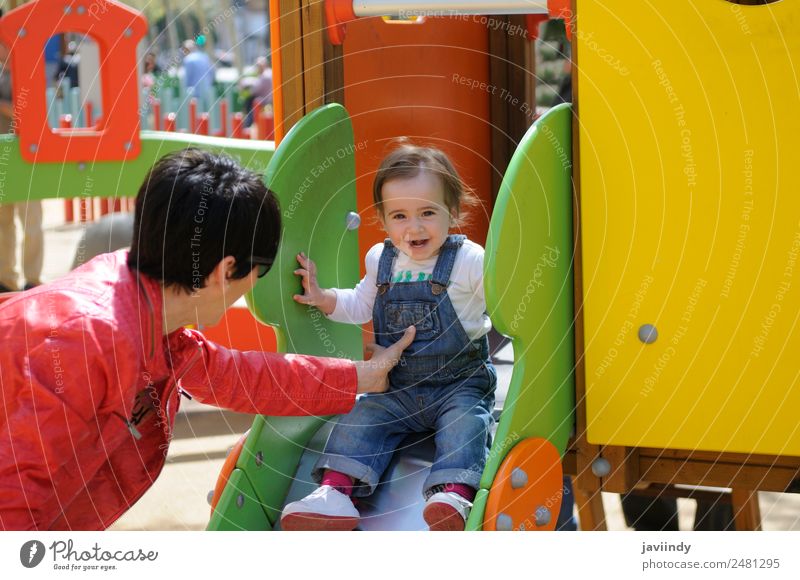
[[690, 179]]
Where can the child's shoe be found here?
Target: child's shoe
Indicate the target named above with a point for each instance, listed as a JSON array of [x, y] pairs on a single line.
[[446, 511], [326, 509]]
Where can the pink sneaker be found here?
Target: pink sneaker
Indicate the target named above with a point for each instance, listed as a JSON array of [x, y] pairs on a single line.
[[325, 509], [446, 511]]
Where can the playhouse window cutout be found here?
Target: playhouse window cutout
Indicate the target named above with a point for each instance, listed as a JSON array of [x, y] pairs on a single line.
[[73, 96]]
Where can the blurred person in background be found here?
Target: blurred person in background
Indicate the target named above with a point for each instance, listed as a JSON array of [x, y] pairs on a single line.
[[29, 213]]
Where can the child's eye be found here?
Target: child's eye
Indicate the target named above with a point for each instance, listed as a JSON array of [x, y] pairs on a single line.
[[428, 213], [399, 216]]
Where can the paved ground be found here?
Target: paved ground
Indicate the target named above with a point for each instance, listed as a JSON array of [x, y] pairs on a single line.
[[177, 501]]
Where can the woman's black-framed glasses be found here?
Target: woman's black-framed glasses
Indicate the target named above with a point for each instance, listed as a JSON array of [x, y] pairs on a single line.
[[263, 265]]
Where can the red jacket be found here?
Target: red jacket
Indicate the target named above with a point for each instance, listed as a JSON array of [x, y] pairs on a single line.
[[90, 388]]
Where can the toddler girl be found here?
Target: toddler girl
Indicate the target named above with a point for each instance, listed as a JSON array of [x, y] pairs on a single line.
[[444, 382]]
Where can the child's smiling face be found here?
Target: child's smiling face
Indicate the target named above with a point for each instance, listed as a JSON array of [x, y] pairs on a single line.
[[415, 215]]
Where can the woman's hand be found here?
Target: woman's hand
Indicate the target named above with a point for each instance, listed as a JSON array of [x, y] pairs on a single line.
[[373, 374], [313, 295]]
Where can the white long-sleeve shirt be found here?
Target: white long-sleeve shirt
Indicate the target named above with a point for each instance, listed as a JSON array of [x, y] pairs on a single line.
[[355, 305]]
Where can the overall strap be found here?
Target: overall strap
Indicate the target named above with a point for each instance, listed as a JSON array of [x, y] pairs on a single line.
[[385, 263], [444, 264]]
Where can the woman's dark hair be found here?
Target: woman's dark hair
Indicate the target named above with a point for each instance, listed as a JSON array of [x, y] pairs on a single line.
[[194, 209]]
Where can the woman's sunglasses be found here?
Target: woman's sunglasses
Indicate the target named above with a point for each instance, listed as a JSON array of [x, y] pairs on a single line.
[[263, 265]]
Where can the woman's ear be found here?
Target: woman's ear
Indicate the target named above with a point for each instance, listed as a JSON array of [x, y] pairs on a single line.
[[223, 272]]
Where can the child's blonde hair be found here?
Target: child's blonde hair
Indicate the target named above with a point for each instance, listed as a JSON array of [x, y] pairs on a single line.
[[408, 161]]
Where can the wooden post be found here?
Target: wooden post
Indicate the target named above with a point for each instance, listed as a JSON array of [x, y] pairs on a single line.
[[202, 124], [590, 510], [223, 118], [169, 122], [193, 115], [88, 113], [157, 114], [237, 132], [746, 512]]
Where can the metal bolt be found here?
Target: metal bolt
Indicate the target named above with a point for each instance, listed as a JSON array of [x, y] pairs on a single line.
[[33, 148], [128, 32], [542, 516], [353, 221], [648, 333], [518, 478], [210, 497], [128, 145], [81, 9], [601, 467], [22, 32], [67, 9], [81, 166], [259, 459], [504, 523], [239, 501]]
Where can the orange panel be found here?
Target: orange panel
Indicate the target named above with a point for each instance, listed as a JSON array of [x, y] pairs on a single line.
[[238, 329], [403, 79], [117, 30], [528, 482]]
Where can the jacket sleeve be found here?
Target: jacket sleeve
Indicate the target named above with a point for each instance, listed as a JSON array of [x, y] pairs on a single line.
[[265, 383]]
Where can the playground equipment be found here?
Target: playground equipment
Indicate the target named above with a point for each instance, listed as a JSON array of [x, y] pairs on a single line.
[[659, 389], [652, 345]]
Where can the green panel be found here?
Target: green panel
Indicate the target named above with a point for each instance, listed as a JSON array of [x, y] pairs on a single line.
[[475, 519], [238, 508], [529, 289], [23, 181], [313, 172], [271, 454]]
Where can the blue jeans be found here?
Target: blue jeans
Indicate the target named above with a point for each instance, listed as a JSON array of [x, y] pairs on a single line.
[[459, 414]]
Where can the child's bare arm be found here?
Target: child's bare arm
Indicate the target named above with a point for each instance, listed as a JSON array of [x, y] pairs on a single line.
[[313, 295]]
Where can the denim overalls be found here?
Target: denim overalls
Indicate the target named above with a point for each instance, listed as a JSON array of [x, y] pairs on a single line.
[[444, 383]]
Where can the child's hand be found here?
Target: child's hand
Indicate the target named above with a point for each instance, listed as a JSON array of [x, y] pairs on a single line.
[[313, 295]]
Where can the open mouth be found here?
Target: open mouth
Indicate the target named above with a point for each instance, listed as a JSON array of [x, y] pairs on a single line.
[[418, 243]]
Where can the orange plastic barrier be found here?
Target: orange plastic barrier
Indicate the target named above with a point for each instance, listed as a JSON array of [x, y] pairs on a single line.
[[26, 29]]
